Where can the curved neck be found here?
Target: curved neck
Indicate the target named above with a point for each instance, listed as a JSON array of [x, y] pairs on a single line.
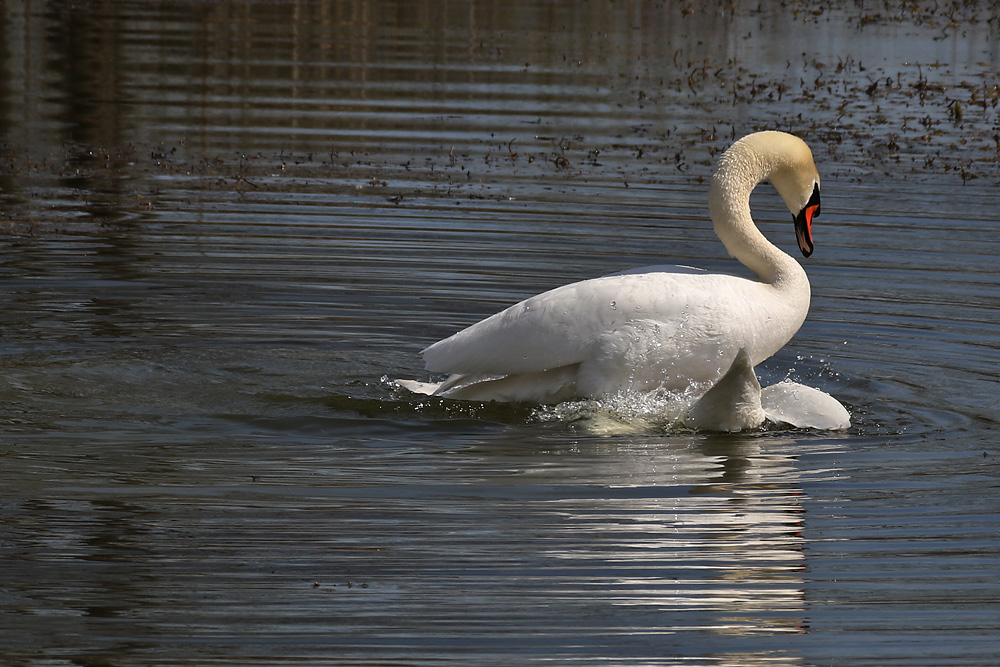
[[738, 172]]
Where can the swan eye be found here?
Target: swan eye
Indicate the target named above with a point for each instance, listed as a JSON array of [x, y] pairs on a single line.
[[813, 202]]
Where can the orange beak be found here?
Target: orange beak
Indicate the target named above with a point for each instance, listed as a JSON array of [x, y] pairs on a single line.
[[803, 223]]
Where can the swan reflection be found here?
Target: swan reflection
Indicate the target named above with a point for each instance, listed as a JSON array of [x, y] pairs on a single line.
[[696, 531]]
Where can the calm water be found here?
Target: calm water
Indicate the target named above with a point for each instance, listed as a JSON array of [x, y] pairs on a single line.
[[227, 225]]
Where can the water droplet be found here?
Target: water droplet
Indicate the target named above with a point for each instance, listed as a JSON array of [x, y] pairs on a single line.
[[614, 306]]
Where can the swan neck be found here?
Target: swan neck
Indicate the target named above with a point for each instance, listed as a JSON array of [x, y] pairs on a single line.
[[739, 171]]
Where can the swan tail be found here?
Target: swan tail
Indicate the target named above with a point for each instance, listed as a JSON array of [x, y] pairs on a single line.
[[549, 386], [426, 388], [445, 388]]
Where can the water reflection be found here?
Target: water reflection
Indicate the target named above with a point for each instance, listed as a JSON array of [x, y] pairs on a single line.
[[709, 527], [712, 550], [383, 77]]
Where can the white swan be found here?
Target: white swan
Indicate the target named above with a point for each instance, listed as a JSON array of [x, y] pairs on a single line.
[[736, 403], [654, 327]]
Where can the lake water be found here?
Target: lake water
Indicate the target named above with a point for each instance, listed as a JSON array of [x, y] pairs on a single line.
[[226, 226]]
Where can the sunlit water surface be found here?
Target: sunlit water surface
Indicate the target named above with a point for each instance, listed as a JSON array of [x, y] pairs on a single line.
[[229, 225]]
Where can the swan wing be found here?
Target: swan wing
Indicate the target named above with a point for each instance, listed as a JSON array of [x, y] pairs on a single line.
[[560, 327], [732, 404], [803, 407], [660, 314]]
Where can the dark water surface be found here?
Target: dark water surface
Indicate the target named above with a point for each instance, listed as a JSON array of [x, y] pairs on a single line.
[[227, 225]]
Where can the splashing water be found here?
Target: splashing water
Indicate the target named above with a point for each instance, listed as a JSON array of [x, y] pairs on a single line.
[[657, 411]]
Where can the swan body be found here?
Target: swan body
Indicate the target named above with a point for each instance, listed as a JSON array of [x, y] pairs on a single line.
[[654, 327], [737, 403]]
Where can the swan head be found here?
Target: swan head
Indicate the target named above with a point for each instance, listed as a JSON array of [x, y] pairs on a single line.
[[787, 162], [796, 179]]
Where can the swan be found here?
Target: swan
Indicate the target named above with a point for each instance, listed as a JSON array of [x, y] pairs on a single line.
[[736, 403], [657, 327]]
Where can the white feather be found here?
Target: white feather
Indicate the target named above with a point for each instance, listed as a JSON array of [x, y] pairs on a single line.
[[658, 327]]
